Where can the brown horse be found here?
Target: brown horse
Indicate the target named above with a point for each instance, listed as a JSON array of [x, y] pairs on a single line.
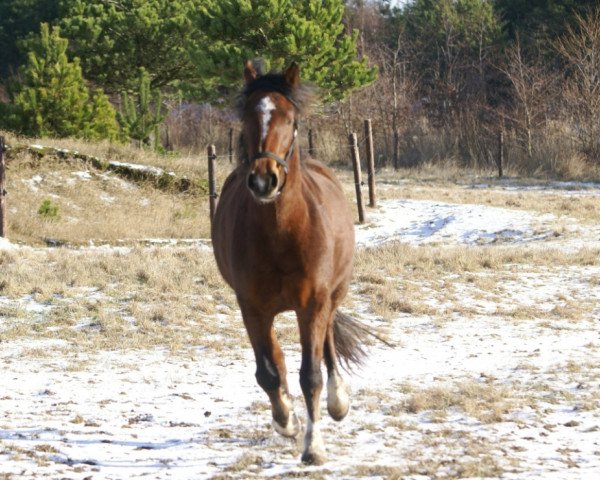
[[283, 239]]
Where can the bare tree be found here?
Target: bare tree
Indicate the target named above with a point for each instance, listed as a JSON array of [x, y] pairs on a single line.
[[580, 47], [533, 89], [396, 93]]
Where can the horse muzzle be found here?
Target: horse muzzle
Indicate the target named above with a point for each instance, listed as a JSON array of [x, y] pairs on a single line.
[[264, 185], [269, 172]]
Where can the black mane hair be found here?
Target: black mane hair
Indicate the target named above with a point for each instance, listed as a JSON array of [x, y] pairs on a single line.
[[302, 97]]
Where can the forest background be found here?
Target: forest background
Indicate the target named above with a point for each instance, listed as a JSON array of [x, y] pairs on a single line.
[[441, 80]]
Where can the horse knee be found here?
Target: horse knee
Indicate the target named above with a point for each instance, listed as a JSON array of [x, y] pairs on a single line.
[[267, 375]]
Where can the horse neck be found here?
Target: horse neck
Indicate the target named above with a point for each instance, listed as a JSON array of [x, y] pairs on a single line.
[[292, 206]]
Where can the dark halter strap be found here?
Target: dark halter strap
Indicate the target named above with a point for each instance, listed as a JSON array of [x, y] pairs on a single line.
[[281, 161]]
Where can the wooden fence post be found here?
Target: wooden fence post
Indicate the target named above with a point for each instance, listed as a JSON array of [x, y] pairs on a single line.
[[2, 190], [500, 158], [231, 145], [357, 180], [311, 143], [212, 184], [370, 163]]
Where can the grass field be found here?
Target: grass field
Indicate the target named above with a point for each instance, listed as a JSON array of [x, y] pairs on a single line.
[[123, 354]]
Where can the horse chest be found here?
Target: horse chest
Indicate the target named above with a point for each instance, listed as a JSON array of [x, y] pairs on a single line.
[[276, 267]]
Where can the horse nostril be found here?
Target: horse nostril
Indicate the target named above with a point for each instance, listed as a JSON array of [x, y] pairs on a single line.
[[262, 185]]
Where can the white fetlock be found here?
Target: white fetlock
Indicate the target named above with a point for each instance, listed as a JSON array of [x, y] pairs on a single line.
[[314, 450]]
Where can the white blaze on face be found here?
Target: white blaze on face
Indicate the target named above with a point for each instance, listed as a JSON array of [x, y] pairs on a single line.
[[265, 106]]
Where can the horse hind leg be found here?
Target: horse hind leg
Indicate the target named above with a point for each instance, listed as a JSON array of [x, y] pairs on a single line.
[[345, 339], [338, 400]]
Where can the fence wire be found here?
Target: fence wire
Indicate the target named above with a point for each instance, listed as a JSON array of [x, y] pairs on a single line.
[[341, 144]]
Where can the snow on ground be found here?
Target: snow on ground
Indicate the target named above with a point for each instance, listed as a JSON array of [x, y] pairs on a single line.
[[419, 222], [149, 414], [5, 244]]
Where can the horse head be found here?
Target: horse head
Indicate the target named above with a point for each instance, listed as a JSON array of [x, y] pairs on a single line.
[[270, 127]]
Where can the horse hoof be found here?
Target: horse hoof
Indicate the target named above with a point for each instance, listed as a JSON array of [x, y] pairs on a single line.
[[291, 430], [314, 458], [338, 400], [338, 410]]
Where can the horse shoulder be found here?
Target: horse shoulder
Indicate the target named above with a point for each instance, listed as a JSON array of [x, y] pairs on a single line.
[[223, 231], [328, 195]]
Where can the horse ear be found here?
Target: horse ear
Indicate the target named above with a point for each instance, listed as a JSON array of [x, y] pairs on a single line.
[[292, 75], [249, 71]]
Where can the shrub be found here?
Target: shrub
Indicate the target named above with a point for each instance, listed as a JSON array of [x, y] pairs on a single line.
[[48, 210]]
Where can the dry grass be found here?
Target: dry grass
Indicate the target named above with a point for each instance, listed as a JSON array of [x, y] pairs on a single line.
[[100, 207], [390, 297], [173, 297], [452, 454], [487, 403], [248, 462], [395, 259], [191, 165], [106, 208], [137, 298]]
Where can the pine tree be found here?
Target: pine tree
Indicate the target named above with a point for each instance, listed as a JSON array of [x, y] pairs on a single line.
[[50, 95], [101, 118], [115, 39], [538, 23], [18, 19], [140, 116], [309, 32]]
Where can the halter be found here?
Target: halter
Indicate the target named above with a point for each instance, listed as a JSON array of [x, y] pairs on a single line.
[[281, 161]]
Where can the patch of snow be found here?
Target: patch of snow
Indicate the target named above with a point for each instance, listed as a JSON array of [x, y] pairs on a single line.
[[141, 168], [33, 182], [419, 221], [106, 198], [123, 184], [86, 175], [6, 245]]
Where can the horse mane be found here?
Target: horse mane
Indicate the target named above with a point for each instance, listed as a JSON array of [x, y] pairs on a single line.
[[302, 97]]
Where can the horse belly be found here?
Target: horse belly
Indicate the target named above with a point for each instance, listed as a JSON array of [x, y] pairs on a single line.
[[227, 215]]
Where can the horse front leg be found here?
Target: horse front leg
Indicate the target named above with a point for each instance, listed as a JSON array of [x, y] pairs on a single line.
[[313, 328], [271, 373]]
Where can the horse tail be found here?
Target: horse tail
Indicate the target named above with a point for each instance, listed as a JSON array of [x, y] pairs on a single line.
[[349, 336]]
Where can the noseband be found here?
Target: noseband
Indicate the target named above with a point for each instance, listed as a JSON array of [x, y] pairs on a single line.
[[281, 161]]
